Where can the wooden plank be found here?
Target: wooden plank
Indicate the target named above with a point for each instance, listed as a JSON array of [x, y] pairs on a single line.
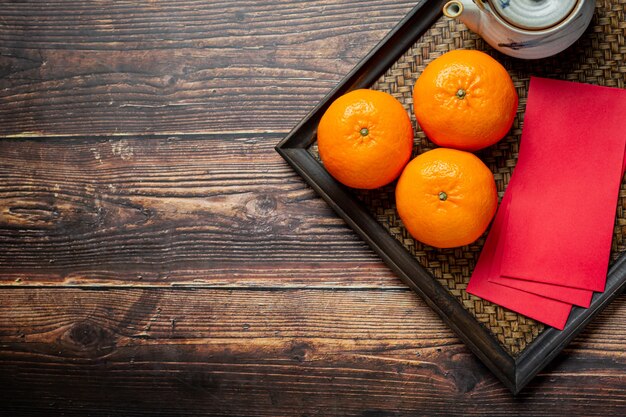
[[271, 353], [77, 67], [208, 210]]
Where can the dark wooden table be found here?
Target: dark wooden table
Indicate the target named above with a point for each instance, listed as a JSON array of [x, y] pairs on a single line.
[[157, 257]]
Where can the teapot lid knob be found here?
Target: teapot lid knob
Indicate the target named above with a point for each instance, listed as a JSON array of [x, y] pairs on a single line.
[[533, 14]]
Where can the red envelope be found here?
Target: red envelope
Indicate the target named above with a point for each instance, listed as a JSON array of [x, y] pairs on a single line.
[[566, 294], [546, 310], [561, 220]]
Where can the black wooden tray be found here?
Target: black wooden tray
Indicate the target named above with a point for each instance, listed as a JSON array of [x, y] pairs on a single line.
[[514, 367]]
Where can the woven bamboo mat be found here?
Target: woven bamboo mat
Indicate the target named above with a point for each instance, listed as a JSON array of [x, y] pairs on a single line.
[[597, 58]]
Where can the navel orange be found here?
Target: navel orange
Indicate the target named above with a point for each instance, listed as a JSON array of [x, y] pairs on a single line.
[[465, 99], [365, 138], [446, 197]]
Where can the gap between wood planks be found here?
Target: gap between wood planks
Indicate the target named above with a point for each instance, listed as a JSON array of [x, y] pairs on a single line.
[[192, 287], [156, 135]]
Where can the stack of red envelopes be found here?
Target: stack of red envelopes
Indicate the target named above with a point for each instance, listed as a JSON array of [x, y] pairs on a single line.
[[549, 245]]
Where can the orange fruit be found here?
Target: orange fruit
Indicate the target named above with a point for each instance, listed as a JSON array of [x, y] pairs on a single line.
[[365, 138], [465, 100], [446, 197]]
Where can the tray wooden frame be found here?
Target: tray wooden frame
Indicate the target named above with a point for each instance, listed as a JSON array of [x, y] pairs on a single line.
[[515, 372]]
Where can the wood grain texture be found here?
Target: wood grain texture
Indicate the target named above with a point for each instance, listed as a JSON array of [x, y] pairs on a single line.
[[170, 210], [108, 204], [274, 353], [75, 67]]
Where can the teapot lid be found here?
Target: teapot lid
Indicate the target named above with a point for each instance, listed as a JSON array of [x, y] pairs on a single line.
[[533, 14]]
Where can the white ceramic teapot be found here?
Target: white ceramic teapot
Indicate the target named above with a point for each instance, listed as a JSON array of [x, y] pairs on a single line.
[[526, 29]]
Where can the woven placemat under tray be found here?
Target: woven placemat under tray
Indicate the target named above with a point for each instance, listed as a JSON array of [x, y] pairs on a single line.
[[597, 58]]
